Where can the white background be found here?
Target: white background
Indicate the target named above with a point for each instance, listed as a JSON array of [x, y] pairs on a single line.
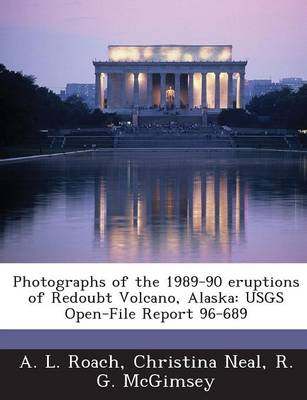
[[18, 313]]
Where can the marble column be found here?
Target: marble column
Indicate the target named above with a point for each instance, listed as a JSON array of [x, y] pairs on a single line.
[[136, 89], [177, 90], [190, 91], [149, 90], [163, 90], [242, 90], [109, 91], [230, 90], [99, 91], [123, 96], [217, 91], [204, 90]]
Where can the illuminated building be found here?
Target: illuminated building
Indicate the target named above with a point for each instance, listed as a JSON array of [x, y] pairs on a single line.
[[185, 79]]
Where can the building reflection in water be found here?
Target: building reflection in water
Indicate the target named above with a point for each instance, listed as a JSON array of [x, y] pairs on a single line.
[[161, 217], [171, 206]]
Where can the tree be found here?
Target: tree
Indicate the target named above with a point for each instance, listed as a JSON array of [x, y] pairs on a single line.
[[285, 108], [25, 108], [235, 117]]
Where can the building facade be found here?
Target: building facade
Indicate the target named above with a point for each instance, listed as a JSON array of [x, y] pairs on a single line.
[[159, 78], [259, 87], [86, 91], [292, 83]]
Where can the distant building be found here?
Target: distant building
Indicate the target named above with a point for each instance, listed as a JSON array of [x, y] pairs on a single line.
[[86, 91], [292, 83], [260, 87], [62, 95]]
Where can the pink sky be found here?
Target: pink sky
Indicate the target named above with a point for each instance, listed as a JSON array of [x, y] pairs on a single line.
[[56, 40]]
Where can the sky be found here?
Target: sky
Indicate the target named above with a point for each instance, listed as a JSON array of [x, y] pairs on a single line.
[[57, 40]]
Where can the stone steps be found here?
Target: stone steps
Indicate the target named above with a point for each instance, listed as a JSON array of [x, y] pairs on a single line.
[[171, 142], [263, 142]]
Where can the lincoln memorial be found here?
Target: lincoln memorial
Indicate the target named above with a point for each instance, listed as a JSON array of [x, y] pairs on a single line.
[[185, 79]]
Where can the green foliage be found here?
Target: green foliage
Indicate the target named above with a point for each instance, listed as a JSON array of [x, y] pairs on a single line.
[[25, 108], [278, 109], [285, 108], [234, 117]]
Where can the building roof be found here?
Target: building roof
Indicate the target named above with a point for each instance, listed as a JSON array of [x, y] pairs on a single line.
[[170, 53]]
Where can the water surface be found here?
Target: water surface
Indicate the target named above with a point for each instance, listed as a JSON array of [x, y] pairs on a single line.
[[172, 206]]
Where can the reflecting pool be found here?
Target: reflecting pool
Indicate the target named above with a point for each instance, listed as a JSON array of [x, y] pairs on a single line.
[[171, 206]]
